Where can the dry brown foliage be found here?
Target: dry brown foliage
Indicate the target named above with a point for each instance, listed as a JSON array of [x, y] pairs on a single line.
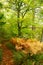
[[27, 46]]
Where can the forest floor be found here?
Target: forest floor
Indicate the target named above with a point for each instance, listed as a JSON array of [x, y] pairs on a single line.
[[21, 44], [7, 58]]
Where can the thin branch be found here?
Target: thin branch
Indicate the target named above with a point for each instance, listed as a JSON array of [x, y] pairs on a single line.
[[24, 13]]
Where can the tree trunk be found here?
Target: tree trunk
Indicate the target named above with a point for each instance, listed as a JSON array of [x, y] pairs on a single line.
[[33, 27], [41, 36], [18, 21]]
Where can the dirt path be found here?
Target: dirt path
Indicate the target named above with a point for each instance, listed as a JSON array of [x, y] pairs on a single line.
[[7, 56]]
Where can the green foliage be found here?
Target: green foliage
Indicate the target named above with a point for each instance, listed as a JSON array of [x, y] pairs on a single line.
[[27, 10], [28, 62], [22, 59], [2, 23], [1, 16], [1, 5], [1, 55], [19, 57], [10, 46], [38, 58]]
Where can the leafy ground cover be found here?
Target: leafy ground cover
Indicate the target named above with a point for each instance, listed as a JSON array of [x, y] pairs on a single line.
[[19, 51]]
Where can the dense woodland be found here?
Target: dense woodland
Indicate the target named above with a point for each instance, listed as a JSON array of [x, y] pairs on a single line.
[[21, 32]]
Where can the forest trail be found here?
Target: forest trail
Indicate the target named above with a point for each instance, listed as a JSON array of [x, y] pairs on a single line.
[[7, 58]]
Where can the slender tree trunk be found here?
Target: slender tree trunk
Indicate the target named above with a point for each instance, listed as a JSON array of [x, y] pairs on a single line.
[[33, 18], [33, 27], [41, 36], [18, 22]]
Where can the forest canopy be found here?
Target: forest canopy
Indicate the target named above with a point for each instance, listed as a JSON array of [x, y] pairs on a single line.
[[21, 18]]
